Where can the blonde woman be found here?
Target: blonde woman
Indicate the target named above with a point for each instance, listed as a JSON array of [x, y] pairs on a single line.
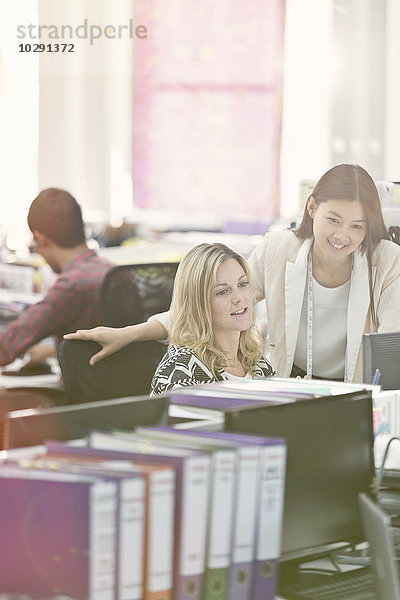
[[212, 336]]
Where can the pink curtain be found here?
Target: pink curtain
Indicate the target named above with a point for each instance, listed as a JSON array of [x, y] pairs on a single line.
[[207, 107]]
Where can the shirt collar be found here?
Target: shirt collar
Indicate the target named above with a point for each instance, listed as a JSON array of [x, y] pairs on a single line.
[[79, 258]]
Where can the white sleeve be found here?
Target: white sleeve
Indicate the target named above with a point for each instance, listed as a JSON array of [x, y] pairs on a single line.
[[257, 269], [163, 318]]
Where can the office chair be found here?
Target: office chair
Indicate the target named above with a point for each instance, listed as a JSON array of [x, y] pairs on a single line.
[[127, 372], [130, 294], [394, 232]]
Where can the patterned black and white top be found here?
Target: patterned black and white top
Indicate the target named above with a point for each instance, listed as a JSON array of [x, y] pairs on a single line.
[[180, 366]]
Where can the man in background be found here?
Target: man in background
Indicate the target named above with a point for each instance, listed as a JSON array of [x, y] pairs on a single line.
[[55, 219]]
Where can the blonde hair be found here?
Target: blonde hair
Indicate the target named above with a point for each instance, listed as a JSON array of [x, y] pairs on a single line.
[[352, 183], [190, 312]]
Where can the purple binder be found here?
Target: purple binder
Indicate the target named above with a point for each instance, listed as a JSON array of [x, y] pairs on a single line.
[[264, 570], [187, 585], [47, 540]]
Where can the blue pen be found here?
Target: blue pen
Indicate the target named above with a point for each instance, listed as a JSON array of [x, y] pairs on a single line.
[[376, 378]]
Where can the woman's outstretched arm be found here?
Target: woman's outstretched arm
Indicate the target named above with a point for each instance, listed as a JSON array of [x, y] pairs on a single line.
[[112, 339]]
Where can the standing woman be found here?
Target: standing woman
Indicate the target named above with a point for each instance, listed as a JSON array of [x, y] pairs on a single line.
[[334, 278], [325, 284]]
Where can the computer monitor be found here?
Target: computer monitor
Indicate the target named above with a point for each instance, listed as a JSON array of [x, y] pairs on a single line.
[[32, 427], [329, 461], [17, 278], [381, 351]]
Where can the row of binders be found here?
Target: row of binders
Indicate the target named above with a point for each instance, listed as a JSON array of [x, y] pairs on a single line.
[[157, 514]]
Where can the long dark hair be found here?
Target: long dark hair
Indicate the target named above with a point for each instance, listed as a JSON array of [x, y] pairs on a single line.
[[351, 182]]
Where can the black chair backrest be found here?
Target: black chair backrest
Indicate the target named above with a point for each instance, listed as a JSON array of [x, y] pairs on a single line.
[[130, 294], [127, 372]]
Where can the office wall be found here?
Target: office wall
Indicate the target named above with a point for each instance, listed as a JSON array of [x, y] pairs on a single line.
[[85, 110], [19, 106], [341, 90], [207, 118], [77, 132], [392, 92]]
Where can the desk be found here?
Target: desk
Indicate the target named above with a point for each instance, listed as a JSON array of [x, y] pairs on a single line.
[[13, 303], [360, 588], [171, 247], [22, 392], [25, 298], [50, 381]]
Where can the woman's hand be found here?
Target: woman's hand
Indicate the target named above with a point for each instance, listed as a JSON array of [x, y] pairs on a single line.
[[110, 338]]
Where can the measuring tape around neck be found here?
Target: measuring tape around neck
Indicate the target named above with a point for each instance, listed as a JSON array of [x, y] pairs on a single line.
[[309, 316]]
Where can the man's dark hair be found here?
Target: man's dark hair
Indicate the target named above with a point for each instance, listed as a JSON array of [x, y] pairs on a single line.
[[56, 214]]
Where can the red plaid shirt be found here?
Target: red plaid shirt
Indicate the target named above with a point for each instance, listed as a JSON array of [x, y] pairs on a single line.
[[72, 303]]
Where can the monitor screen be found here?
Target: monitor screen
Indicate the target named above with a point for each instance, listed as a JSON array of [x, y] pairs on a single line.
[[381, 354], [32, 427], [329, 461]]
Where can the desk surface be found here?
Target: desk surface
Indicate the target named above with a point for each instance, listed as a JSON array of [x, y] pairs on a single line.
[[34, 381], [51, 380], [172, 247]]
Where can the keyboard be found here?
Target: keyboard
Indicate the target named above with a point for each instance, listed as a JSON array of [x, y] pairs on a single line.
[[391, 479], [357, 584]]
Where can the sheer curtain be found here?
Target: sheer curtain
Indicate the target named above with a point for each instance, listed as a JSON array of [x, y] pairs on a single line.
[[200, 129], [341, 90], [19, 110], [207, 118]]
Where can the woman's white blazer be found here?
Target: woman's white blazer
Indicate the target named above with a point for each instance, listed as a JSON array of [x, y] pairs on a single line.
[[279, 272]]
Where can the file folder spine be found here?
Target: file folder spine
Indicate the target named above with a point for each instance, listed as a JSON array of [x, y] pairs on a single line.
[[269, 527], [160, 534], [131, 538], [195, 482], [241, 571], [219, 543]]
